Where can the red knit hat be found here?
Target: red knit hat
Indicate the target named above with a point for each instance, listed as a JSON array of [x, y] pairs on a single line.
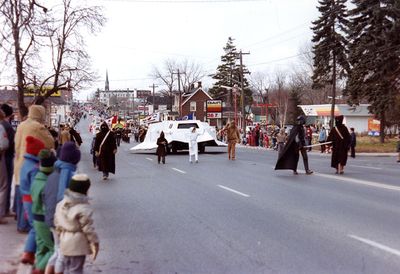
[[33, 145]]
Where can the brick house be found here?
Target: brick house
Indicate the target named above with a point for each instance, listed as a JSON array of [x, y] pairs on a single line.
[[194, 102]]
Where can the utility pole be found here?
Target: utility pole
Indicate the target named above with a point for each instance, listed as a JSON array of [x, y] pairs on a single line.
[[179, 90], [242, 87], [154, 87]]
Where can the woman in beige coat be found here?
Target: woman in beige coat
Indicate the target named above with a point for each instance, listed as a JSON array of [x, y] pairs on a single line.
[[32, 126]]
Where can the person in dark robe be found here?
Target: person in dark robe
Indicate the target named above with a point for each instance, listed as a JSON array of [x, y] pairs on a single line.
[[295, 144], [161, 147], [340, 138], [353, 143], [105, 148]]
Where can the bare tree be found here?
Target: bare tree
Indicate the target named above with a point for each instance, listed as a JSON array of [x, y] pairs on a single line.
[[190, 73], [261, 86], [69, 58], [20, 40], [280, 96], [165, 76]]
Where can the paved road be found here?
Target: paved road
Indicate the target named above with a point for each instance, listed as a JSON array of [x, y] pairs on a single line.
[[221, 216]]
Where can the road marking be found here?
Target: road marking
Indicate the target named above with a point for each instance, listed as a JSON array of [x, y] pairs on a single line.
[[370, 167], [181, 171], [149, 159], [234, 191], [377, 245], [358, 181]]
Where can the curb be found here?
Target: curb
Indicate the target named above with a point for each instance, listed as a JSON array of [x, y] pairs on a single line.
[[371, 154]]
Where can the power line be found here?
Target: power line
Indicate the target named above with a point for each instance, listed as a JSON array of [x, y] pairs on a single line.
[[186, 1]]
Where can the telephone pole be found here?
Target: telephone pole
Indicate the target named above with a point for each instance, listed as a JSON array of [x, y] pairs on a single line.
[[179, 90], [154, 87], [240, 57]]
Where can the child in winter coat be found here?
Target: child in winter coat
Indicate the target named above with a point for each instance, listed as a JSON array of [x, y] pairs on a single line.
[[74, 226], [57, 183], [27, 174], [44, 240]]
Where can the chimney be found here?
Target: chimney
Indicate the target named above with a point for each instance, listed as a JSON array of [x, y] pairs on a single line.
[[199, 84], [192, 87]]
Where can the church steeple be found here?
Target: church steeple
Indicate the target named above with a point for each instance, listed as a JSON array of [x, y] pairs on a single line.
[[107, 87]]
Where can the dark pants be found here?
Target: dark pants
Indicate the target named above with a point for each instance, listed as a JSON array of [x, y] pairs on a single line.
[[303, 152], [352, 152], [323, 147], [94, 159], [118, 138], [161, 157], [10, 169]]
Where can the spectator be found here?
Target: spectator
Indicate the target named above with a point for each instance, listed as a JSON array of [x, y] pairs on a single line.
[[4, 144], [74, 226], [353, 143], [322, 138], [44, 240], [9, 153]]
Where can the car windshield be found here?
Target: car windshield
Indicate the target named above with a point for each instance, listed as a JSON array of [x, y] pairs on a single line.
[[188, 125]]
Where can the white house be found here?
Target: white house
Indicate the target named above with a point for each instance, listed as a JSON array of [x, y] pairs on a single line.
[[357, 117]]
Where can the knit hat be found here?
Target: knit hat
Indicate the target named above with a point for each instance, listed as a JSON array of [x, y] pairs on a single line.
[[70, 153], [7, 109], [79, 183], [33, 145], [46, 160]]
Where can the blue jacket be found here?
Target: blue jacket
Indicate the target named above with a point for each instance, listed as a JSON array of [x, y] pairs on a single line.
[[28, 171], [55, 187]]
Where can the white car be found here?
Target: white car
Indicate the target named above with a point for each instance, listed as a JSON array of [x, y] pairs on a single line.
[[176, 133]]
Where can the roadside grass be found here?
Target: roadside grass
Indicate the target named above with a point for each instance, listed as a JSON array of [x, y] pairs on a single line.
[[372, 144]]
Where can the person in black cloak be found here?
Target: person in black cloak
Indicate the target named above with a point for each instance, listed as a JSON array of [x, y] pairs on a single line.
[[105, 148], [340, 138], [161, 147], [295, 144]]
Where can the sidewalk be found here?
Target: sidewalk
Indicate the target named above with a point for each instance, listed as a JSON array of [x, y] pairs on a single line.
[[11, 247]]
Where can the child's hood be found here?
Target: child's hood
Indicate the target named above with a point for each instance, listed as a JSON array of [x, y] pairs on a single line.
[[73, 198]]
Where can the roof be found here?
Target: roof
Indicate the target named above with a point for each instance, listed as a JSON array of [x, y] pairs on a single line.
[[340, 109], [7, 95], [193, 93]]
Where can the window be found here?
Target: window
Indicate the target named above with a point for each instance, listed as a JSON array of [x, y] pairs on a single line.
[[192, 106], [188, 125]]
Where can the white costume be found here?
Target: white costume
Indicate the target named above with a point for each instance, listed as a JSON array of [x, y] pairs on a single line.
[[193, 147]]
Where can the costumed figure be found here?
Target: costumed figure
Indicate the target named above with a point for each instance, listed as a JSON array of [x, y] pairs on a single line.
[[105, 148], [340, 138], [193, 146], [162, 147], [295, 144]]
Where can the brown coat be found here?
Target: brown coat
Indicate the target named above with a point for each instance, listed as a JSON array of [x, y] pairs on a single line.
[[232, 133], [32, 126]]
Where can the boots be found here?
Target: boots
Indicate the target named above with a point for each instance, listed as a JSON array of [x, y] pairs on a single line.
[[28, 258]]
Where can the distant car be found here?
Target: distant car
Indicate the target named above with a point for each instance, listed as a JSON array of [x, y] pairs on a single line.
[[177, 135]]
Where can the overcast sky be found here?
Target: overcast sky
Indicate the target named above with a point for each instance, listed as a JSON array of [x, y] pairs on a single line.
[[141, 34]]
